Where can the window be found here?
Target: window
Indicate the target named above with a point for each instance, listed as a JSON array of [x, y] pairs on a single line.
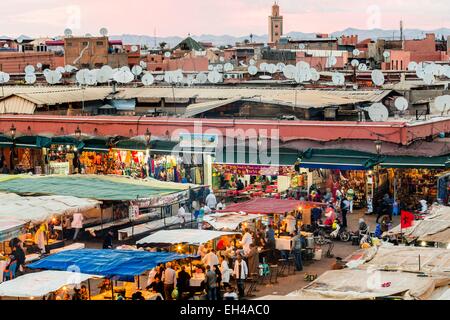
[[84, 43], [69, 44], [99, 43]]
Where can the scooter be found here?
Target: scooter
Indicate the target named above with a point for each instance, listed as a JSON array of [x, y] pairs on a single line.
[[324, 232]]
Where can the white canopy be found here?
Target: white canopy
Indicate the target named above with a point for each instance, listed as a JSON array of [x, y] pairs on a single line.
[[229, 220], [39, 209], [188, 236], [41, 283]]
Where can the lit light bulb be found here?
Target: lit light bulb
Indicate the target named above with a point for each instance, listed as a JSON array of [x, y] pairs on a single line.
[[423, 244]]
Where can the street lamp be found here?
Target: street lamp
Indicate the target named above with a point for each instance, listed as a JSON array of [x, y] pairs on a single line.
[[148, 137], [378, 147], [78, 133], [13, 131]]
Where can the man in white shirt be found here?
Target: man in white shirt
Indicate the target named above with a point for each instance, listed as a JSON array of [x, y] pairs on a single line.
[[290, 223], [246, 241], [240, 273], [170, 281], [221, 205], [211, 200], [210, 259]]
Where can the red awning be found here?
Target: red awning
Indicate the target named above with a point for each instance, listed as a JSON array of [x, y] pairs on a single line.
[[269, 206]]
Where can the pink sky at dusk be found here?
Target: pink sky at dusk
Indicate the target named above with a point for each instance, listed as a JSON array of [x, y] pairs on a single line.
[[233, 17]]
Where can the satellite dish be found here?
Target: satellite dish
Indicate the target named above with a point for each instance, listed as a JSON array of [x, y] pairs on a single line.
[[420, 72], [412, 66], [290, 71], [429, 79], [201, 78], [442, 103], [19, 40], [104, 32], [386, 54], [4, 77], [331, 61], [355, 63], [378, 112], [5, 46], [338, 79], [29, 69], [68, 68], [447, 71], [271, 68], [143, 64], [219, 68], [30, 78], [124, 69], [134, 48], [378, 77], [301, 46], [315, 76], [302, 75], [39, 65], [147, 79], [281, 66], [91, 77], [210, 67], [88, 35], [221, 59], [263, 67], [252, 70], [105, 74], [356, 52], [46, 72], [60, 69], [136, 70], [228, 67], [124, 75], [214, 77], [362, 67], [53, 77], [252, 62], [167, 54], [302, 65], [81, 76], [68, 33], [401, 104]]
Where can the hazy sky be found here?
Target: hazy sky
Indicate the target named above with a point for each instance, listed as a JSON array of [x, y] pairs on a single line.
[[234, 17]]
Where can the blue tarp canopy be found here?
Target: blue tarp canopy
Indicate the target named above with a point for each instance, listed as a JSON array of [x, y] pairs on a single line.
[[118, 264]]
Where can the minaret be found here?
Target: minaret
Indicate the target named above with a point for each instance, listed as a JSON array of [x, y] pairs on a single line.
[[275, 24]]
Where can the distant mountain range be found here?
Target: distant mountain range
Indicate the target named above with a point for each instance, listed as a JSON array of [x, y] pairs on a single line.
[[223, 40], [231, 40]]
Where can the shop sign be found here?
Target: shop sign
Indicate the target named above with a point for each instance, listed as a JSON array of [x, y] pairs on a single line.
[[133, 212], [61, 168], [188, 140], [164, 200]]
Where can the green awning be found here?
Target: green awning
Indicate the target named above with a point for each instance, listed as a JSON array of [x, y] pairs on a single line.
[[5, 141], [416, 162], [250, 156], [86, 186], [34, 142], [338, 159], [96, 144]]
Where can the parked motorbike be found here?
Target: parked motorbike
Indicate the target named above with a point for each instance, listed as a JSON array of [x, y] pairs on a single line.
[[325, 232]]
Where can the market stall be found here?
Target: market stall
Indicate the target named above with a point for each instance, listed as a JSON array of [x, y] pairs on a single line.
[[191, 237], [121, 266], [39, 284], [230, 221], [433, 230]]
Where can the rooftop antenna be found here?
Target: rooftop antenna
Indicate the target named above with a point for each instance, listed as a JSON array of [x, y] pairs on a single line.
[[104, 32], [401, 33], [378, 112], [154, 35]]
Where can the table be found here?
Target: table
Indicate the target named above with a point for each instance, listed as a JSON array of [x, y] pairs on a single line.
[[196, 281], [3, 265], [283, 243]]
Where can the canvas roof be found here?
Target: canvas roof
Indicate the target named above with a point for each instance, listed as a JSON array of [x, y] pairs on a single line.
[[228, 221], [267, 206], [189, 236], [39, 284], [434, 228], [117, 188], [197, 108], [39, 209]]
